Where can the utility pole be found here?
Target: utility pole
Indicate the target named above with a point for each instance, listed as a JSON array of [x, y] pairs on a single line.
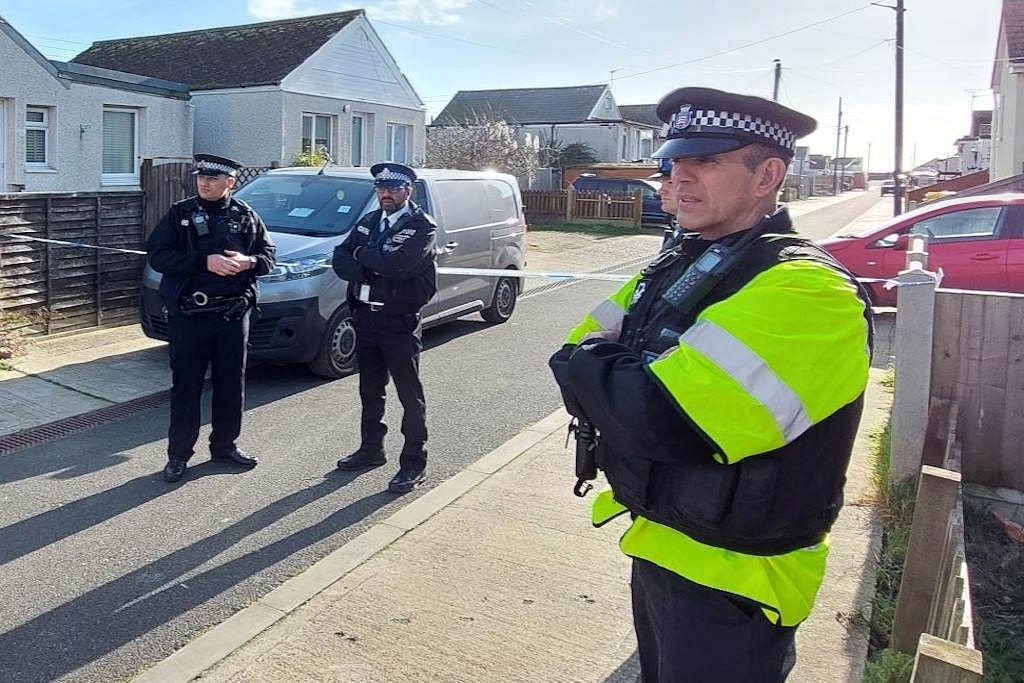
[[835, 159], [778, 77], [842, 171], [897, 171], [897, 193], [867, 168]]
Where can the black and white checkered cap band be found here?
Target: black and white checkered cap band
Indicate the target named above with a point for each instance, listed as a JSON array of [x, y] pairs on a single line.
[[387, 175], [781, 136], [214, 166]]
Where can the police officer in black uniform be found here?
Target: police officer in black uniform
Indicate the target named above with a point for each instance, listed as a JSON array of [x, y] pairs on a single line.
[[666, 192], [389, 262], [210, 248]]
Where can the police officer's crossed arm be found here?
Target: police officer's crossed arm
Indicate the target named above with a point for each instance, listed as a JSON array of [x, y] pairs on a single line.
[[400, 259]]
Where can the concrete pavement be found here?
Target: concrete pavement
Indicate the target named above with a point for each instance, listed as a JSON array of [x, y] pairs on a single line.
[[497, 574]]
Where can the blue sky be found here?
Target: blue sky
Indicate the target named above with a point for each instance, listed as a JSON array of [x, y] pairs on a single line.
[[831, 49]]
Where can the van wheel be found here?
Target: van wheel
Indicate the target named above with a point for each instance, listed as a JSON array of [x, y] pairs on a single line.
[[504, 302], [337, 354]]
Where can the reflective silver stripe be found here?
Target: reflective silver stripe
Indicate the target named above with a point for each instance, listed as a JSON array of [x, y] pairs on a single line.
[[609, 315], [753, 374]]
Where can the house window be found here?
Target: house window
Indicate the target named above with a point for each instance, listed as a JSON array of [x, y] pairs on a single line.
[[357, 140], [120, 147], [398, 139], [316, 133], [37, 137]]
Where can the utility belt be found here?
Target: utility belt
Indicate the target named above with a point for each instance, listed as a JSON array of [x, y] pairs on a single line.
[[199, 303]]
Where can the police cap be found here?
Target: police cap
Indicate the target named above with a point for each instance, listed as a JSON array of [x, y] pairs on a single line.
[[211, 164], [705, 121], [392, 174], [664, 169]]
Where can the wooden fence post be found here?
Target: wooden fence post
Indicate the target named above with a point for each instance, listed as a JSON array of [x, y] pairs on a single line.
[[570, 200], [99, 264], [943, 661], [937, 493], [49, 269], [915, 320], [638, 209]]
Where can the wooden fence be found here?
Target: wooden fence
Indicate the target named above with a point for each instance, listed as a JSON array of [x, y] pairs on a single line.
[[64, 288], [584, 206], [977, 361], [933, 618]]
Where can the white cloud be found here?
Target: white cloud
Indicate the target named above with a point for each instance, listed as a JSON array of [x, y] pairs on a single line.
[[603, 11], [273, 9], [441, 12]]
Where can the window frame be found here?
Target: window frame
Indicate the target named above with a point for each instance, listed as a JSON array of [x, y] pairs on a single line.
[[46, 127], [313, 116], [389, 137], [362, 140], [132, 178]]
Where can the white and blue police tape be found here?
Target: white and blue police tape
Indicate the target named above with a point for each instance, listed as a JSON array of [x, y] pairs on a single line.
[[74, 244], [555, 275]]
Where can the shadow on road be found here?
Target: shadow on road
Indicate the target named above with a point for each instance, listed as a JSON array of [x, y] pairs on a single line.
[[98, 622]]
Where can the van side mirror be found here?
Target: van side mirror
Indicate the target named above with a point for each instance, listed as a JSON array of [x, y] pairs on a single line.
[[898, 241]]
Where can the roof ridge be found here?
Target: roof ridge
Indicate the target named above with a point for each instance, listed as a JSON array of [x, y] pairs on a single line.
[[236, 26], [547, 87]]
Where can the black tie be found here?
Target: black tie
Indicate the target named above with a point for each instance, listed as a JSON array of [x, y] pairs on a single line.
[[387, 224]]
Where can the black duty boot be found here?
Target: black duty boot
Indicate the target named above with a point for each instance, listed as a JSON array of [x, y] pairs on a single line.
[[364, 458], [236, 456], [406, 480], [174, 470]]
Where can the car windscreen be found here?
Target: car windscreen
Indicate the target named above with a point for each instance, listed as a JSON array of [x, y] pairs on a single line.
[[315, 205]]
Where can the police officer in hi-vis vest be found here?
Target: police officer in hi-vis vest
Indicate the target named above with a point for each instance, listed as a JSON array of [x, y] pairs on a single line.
[[209, 248], [725, 383]]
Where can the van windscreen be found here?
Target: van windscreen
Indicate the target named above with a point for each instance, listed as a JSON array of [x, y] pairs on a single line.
[[316, 205]]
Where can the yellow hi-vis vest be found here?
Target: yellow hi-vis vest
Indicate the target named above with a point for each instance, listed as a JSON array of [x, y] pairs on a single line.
[[753, 373]]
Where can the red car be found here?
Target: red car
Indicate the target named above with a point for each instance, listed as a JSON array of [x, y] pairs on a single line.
[[978, 242]]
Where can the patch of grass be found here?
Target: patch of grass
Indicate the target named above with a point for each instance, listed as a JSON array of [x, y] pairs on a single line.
[[895, 501], [597, 229], [888, 380], [889, 666]]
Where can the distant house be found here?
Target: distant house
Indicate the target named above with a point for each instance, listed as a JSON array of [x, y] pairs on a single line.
[[975, 150], [647, 115], [69, 127], [586, 114], [1008, 87], [265, 92]]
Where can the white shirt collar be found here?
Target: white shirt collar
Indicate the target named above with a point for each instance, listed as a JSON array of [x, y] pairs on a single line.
[[393, 217]]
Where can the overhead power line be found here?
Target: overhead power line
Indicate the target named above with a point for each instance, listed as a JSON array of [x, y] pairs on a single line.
[[751, 44]]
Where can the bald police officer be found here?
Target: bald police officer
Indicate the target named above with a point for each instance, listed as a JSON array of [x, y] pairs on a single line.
[[389, 263], [209, 248]]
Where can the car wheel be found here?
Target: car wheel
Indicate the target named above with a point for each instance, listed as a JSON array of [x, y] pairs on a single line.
[[337, 354], [504, 301]]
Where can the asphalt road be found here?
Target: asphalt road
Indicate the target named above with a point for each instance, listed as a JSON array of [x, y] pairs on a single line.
[[105, 569]]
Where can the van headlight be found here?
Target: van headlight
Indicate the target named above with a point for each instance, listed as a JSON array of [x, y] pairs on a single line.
[[311, 266]]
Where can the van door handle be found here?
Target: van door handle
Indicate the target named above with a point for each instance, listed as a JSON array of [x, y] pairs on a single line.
[[984, 256], [450, 247]]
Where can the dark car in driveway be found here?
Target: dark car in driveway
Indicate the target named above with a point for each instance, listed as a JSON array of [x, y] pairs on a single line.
[[977, 242], [652, 212]]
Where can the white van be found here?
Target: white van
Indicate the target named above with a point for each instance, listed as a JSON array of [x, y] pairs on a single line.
[[303, 316]]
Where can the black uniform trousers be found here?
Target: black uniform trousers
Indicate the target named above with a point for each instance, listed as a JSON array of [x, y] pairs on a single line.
[[390, 345], [198, 342], [689, 632]]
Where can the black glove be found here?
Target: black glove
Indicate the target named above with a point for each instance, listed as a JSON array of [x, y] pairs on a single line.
[[345, 266], [559, 364]]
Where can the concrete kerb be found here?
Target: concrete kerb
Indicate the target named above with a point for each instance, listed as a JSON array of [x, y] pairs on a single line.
[[206, 650]]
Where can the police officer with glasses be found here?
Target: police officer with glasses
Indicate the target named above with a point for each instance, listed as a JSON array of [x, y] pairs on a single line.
[[389, 262], [209, 248]]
